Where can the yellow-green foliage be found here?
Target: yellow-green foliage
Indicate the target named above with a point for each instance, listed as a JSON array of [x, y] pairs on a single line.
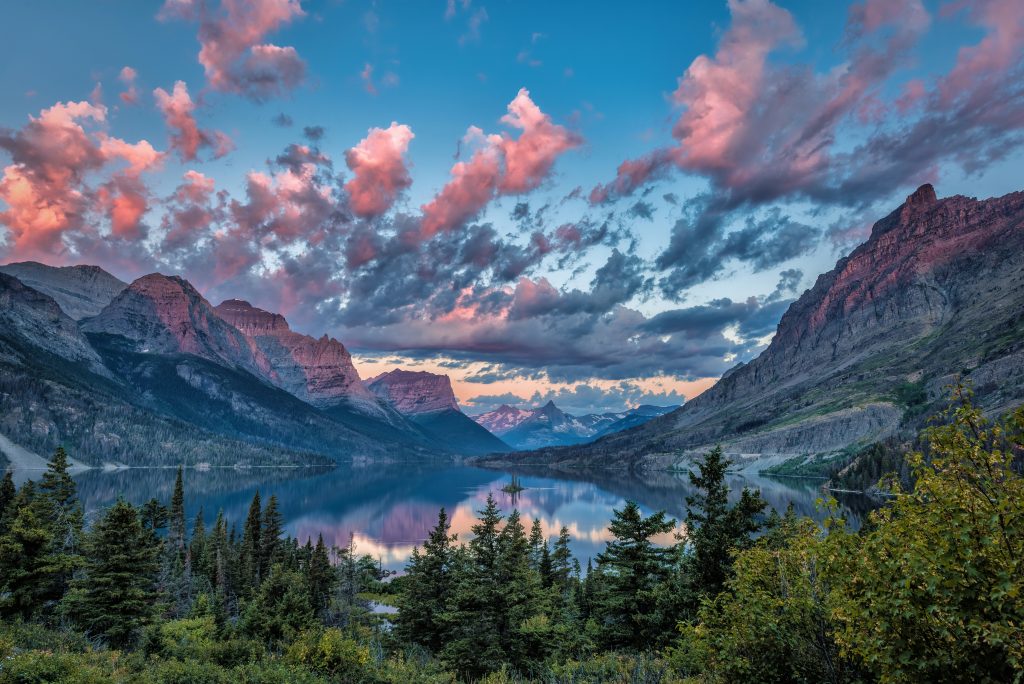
[[330, 652], [935, 591]]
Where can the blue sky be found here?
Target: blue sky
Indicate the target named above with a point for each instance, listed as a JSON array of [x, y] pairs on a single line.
[[773, 135]]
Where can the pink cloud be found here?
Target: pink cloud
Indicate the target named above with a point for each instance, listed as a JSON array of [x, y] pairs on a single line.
[[501, 164], [45, 186], [529, 158], [998, 51], [186, 136], [472, 186], [232, 51], [378, 163], [127, 76], [763, 130]]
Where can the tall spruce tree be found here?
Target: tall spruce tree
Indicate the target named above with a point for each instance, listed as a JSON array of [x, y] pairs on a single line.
[[176, 524], [522, 599], [427, 587], [473, 645], [7, 493], [321, 576], [714, 528], [270, 536], [632, 572], [249, 555], [115, 597], [25, 577]]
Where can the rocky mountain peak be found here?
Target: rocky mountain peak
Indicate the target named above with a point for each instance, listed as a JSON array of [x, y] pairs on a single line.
[[318, 371], [251, 320], [166, 314], [414, 392], [80, 291]]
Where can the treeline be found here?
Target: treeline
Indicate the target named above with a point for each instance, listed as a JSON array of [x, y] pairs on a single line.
[[930, 590]]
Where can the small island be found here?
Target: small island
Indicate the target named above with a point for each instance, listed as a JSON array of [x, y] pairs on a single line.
[[513, 487]]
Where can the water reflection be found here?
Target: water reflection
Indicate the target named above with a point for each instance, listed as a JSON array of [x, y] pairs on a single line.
[[389, 509]]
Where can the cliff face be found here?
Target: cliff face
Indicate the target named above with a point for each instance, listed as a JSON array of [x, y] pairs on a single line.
[[936, 291], [165, 315], [414, 392], [80, 291], [318, 371]]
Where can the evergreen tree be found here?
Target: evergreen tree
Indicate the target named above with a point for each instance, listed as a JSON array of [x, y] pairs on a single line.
[[199, 548], [176, 524], [633, 571], [537, 543], [7, 493], [24, 569], [714, 528], [524, 641], [427, 586], [270, 536], [473, 644], [249, 555], [115, 598], [280, 610], [561, 562], [154, 518], [321, 576]]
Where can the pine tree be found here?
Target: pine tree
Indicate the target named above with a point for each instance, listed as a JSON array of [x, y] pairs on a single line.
[[154, 518], [250, 553], [62, 512], [7, 493], [427, 586], [321, 576], [714, 528], [632, 572], [522, 598], [270, 536], [199, 548], [561, 561], [280, 610], [537, 542], [24, 547], [176, 528], [473, 645], [115, 598]]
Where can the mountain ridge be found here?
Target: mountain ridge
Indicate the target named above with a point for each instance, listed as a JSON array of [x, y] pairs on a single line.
[[937, 290]]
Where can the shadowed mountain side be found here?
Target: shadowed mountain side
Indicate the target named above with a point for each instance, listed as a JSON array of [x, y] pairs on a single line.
[[936, 292]]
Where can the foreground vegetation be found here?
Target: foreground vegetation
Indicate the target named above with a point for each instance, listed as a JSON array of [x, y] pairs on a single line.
[[929, 590]]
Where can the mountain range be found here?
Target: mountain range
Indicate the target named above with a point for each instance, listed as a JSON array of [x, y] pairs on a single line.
[[935, 295], [151, 372], [546, 426]]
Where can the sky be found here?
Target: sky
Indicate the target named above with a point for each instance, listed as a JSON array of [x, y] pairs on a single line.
[[600, 204]]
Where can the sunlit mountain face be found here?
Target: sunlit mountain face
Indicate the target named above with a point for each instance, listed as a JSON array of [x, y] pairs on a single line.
[[486, 190]]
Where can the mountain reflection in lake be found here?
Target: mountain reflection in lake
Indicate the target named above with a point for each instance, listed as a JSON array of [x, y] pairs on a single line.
[[389, 509]]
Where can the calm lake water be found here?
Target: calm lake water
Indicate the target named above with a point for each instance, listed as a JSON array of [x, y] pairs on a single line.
[[389, 509]]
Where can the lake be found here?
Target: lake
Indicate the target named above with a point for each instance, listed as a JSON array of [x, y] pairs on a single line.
[[389, 509]]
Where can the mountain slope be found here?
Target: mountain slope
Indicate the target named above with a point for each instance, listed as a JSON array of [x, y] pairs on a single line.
[[427, 400], [937, 290], [81, 291]]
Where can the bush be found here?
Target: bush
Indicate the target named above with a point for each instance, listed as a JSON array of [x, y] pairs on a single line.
[[330, 653]]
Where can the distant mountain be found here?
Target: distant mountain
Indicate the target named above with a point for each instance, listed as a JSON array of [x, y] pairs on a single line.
[[80, 291], [427, 400], [935, 293], [634, 418], [503, 419], [548, 425]]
